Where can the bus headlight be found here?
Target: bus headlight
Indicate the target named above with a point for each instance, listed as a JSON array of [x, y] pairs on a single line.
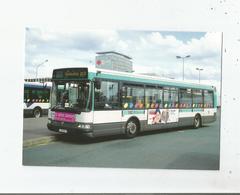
[[52, 115], [87, 126]]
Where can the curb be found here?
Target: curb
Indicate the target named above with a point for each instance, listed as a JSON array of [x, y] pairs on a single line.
[[38, 141]]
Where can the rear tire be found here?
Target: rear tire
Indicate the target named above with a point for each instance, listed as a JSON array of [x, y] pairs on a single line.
[[131, 129], [37, 112], [197, 122]]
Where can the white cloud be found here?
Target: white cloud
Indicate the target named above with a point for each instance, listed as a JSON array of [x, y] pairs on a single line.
[[168, 41], [208, 46]]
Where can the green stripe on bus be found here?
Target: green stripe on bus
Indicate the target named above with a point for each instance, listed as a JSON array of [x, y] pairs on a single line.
[[198, 110], [185, 110], [191, 110], [147, 81]]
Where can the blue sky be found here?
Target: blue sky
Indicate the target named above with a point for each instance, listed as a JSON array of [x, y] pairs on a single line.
[[152, 51], [184, 36]]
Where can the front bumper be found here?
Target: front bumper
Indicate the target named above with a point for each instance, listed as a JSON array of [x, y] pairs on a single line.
[[71, 128]]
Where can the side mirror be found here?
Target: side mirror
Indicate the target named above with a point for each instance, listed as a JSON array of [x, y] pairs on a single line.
[[97, 84]]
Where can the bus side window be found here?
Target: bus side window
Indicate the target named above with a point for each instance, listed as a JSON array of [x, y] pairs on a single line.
[[208, 99], [185, 98], [166, 98], [26, 95], [173, 98], [106, 96], [124, 98], [197, 98], [34, 95], [153, 98], [132, 97]]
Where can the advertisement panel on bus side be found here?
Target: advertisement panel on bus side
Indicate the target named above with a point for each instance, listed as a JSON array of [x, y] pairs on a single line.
[[156, 116]]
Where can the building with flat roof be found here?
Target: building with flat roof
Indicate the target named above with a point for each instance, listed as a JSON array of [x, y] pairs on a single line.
[[112, 60]]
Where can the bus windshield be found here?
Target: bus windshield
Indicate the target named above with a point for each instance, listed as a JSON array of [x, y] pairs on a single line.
[[72, 96]]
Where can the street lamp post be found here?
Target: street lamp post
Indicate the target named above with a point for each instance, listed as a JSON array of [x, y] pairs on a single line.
[[188, 56], [39, 66], [199, 69]]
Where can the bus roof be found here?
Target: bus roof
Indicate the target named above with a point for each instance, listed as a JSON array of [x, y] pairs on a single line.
[[140, 78]]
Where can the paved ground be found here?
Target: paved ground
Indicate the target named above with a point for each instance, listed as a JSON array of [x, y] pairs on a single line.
[[176, 149], [35, 128]]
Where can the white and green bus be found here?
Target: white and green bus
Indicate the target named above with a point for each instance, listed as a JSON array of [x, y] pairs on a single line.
[[103, 102]]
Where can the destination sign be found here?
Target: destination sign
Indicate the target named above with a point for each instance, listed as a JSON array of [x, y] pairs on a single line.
[[72, 73]]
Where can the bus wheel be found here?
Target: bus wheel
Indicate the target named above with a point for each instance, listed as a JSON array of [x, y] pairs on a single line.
[[131, 129], [37, 112], [197, 121]]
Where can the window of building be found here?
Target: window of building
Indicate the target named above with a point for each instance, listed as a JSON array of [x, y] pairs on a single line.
[[106, 97], [153, 98], [132, 97], [197, 99], [185, 98], [208, 99]]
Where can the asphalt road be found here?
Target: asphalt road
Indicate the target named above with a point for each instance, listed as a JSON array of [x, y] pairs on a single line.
[[186, 148], [35, 128]]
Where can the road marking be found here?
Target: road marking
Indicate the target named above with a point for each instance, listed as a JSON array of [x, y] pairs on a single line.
[[39, 141]]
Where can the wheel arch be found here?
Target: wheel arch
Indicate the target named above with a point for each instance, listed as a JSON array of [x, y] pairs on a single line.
[[37, 107]]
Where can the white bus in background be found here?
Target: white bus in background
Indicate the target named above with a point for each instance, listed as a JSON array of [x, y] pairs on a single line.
[[36, 98]]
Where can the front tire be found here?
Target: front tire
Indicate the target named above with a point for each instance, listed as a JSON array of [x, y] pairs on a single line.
[[37, 113], [197, 122], [131, 129]]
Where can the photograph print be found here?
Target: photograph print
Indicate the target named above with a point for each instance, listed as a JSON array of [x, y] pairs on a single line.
[[122, 99]]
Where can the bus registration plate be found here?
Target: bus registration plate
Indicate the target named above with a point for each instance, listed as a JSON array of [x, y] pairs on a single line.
[[62, 130]]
